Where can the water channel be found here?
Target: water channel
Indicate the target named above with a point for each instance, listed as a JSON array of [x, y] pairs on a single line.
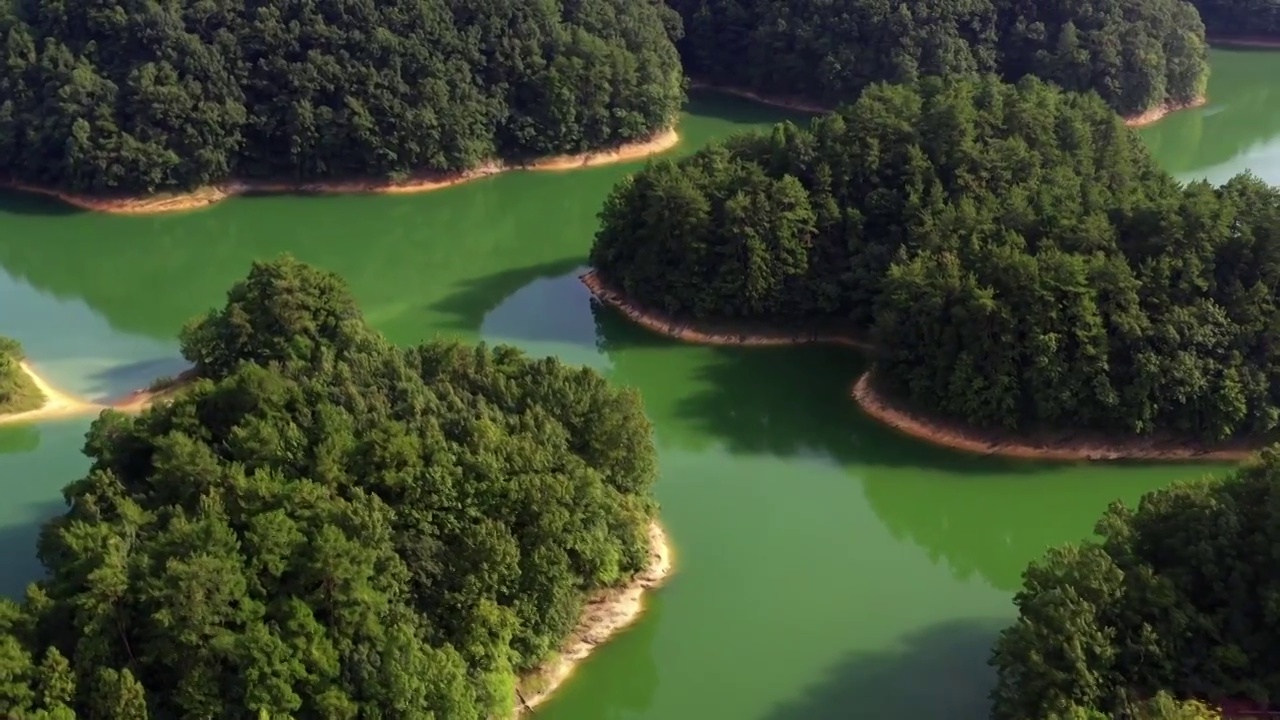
[[828, 568]]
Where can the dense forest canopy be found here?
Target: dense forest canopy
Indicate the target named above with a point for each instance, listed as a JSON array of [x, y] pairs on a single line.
[[1013, 250], [1138, 54], [326, 526], [1178, 595], [1240, 18], [138, 96], [17, 392]]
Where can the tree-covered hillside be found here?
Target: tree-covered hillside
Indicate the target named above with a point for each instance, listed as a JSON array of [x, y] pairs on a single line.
[[326, 526], [1138, 54], [1014, 251], [140, 96], [1179, 595], [17, 392], [1240, 18]]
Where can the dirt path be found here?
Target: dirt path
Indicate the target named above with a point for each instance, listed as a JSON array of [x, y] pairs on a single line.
[[57, 404], [956, 436], [605, 616], [207, 196]]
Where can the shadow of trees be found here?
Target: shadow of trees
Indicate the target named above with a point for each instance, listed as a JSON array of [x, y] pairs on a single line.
[[18, 563], [940, 672], [18, 202]]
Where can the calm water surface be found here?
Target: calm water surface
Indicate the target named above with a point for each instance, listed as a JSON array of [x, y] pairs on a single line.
[[828, 568]]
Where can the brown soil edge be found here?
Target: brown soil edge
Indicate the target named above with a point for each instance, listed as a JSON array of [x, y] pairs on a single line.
[[1244, 41], [207, 196], [1156, 114], [797, 104], [953, 436], [604, 617]]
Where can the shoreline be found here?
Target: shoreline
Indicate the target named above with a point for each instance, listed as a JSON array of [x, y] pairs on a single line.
[[211, 195], [604, 616], [1244, 41], [707, 335], [56, 405], [794, 103], [950, 435], [1158, 113]]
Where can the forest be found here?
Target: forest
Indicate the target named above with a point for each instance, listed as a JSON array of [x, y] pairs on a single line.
[[135, 97], [1013, 251], [328, 526], [1138, 54], [1178, 594], [17, 392], [1228, 19]]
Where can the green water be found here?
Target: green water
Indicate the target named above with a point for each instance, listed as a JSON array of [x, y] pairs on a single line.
[[828, 568]]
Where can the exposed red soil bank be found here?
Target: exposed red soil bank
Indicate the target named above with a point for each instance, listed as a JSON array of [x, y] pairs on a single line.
[[604, 616], [204, 197], [1156, 114], [946, 434]]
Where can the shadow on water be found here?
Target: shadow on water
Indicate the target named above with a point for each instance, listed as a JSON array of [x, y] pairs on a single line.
[[18, 563], [787, 401], [739, 111], [467, 306], [121, 380], [17, 202], [941, 672]]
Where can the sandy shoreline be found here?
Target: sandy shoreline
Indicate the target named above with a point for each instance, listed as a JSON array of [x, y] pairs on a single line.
[[786, 103], [707, 335], [1244, 41], [604, 616], [207, 196], [945, 434], [57, 404], [1156, 114]]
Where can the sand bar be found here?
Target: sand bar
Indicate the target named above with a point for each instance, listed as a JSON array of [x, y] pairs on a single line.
[[57, 404], [605, 615], [205, 197], [951, 435]]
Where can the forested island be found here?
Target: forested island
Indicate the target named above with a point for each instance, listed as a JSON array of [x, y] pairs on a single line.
[[1144, 57], [1251, 22], [1015, 257], [326, 525], [17, 392], [1176, 596], [129, 99]]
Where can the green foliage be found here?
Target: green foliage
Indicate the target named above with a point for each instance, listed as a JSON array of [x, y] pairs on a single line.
[[1162, 707], [17, 392], [138, 97], [1014, 251], [1137, 54], [1179, 595], [331, 527], [1240, 18]]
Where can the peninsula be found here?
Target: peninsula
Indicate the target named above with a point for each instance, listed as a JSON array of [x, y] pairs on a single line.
[[1020, 269], [297, 496]]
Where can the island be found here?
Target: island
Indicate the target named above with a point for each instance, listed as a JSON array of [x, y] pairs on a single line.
[[1028, 281], [1174, 597], [1145, 57], [151, 108], [319, 522]]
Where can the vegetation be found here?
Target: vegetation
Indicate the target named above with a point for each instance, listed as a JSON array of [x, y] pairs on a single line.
[[1177, 595], [330, 527], [137, 97], [1138, 54], [1240, 18], [1015, 253], [17, 392]]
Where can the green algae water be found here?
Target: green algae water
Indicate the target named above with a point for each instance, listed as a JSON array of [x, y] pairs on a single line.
[[827, 567]]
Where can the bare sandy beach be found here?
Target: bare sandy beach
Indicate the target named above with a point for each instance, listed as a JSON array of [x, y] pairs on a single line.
[[1156, 114], [57, 404], [205, 197]]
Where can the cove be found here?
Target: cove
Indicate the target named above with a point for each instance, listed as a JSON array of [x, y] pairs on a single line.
[[828, 567]]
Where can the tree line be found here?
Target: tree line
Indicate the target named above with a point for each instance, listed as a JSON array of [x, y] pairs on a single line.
[[327, 526], [1013, 250], [1240, 18], [125, 96], [1177, 595], [17, 392], [1138, 54]]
